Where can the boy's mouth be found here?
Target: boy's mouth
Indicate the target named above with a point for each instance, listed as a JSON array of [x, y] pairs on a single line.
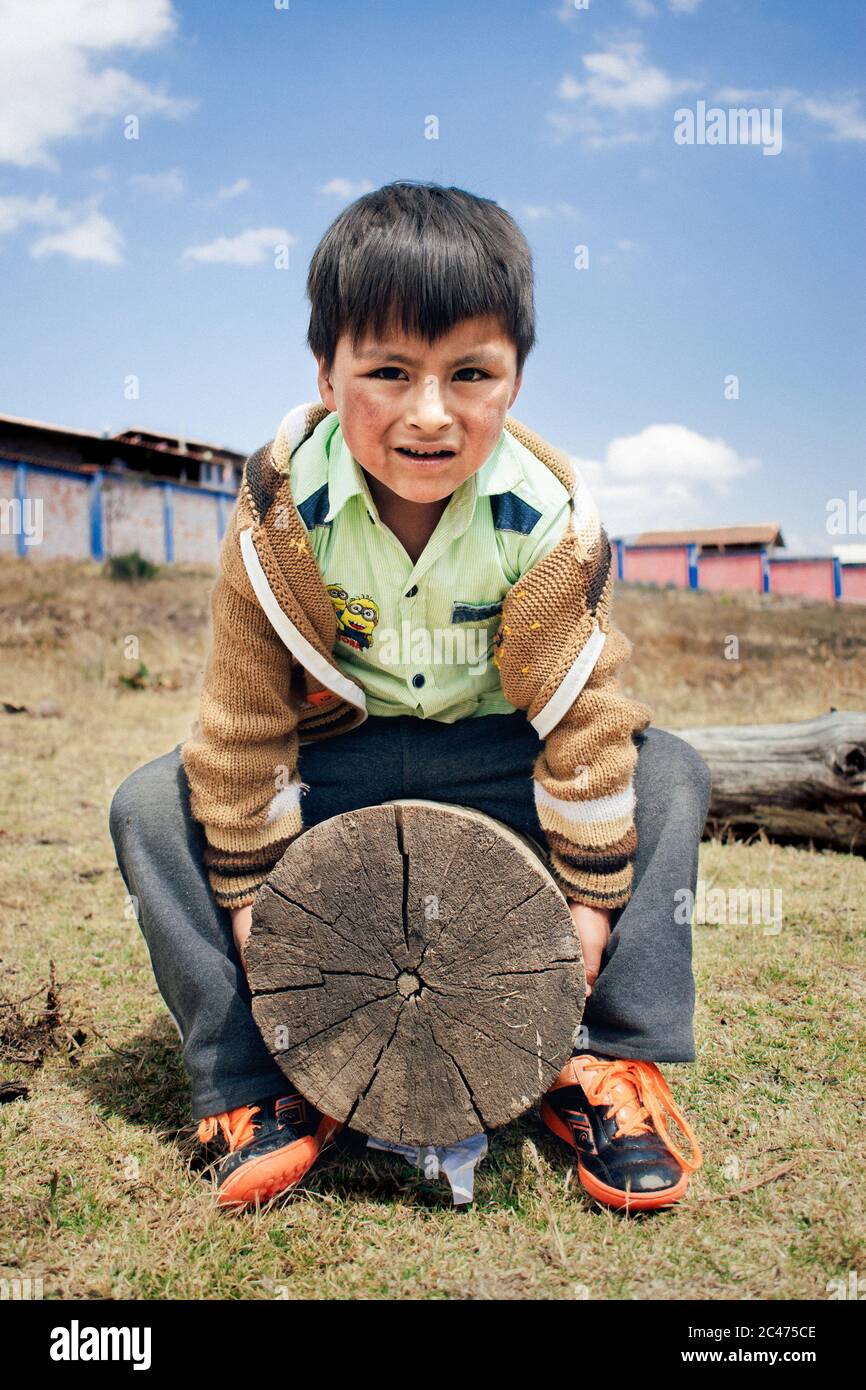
[[426, 455]]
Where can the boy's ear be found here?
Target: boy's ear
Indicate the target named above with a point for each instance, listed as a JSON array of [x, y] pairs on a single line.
[[326, 390]]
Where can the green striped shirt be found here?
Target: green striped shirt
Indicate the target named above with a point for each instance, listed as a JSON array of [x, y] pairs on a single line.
[[418, 637]]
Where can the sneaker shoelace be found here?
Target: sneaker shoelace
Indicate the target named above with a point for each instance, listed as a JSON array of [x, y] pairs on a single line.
[[638, 1096], [237, 1126]]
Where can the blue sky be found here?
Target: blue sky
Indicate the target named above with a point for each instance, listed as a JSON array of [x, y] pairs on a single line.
[[152, 258]]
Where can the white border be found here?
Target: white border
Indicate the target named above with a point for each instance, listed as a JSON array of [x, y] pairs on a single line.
[[571, 684], [285, 629]]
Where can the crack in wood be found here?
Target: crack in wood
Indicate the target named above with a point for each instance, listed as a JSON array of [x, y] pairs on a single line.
[[459, 1070], [404, 905], [371, 886], [342, 1067], [320, 984], [385, 1046], [335, 1023], [332, 926], [499, 1042], [464, 958]]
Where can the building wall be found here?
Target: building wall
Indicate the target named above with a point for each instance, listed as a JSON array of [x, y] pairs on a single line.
[[657, 565], [91, 516], [805, 578], [731, 571], [8, 539], [196, 529], [854, 583], [133, 519]]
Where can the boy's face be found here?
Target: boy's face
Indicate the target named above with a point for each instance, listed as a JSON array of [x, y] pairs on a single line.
[[447, 400]]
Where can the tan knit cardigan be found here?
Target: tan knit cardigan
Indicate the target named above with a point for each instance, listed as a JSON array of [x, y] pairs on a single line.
[[271, 682]]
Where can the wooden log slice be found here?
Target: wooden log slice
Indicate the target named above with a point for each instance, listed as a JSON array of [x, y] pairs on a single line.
[[415, 971]]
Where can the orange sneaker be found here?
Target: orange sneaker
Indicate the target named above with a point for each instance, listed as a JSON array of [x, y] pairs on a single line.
[[267, 1147], [612, 1112]]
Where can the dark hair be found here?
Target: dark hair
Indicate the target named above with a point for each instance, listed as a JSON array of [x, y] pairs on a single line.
[[423, 257]]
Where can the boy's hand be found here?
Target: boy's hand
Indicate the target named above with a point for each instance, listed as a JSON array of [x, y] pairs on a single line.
[[242, 921], [593, 928]]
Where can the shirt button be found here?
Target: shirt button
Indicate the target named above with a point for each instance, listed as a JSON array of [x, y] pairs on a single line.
[[418, 681], [410, 593]]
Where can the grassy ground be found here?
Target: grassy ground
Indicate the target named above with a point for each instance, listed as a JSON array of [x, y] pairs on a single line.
[[101, 1194]]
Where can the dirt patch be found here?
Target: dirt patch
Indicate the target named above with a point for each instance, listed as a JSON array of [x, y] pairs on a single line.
[[31, 1025]]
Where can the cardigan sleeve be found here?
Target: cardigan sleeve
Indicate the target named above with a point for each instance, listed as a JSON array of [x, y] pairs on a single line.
[[241, 760], [560, 658], [583, 780]]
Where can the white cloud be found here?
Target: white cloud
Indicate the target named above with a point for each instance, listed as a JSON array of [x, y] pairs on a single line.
[[251, 247], [667, 476], [82, 233], [91, 238], [169, 184], [596, 134], [345, 188], [568, 11], [539, 212], [233, 190], [843, 116], [53, 84], [644, 9], [16, 212], [620, 79]]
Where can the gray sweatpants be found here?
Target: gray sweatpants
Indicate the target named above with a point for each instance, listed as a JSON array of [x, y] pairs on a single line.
[[643, 1000]]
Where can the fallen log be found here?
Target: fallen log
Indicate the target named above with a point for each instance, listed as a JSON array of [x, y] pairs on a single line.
[[799, 782], [415, 971]]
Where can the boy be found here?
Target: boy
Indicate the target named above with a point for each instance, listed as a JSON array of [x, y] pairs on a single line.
[[410, 504]]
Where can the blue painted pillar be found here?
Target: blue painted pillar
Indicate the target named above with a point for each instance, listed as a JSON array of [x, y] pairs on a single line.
[[620, 547], [765, 572], [97, 544], [168, 521], [837, 577], [20, 495], [693, 566]]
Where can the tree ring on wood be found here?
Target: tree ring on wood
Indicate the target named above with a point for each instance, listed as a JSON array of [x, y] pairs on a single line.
[[415, 971]]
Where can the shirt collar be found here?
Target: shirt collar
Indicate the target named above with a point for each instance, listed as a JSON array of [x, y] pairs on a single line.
[[499, 472]]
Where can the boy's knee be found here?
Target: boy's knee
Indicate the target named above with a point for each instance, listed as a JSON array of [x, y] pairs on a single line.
[[146, 795], [675, 760], [693, 769]]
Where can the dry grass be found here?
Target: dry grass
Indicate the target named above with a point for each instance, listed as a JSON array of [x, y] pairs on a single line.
[[101, 1196]]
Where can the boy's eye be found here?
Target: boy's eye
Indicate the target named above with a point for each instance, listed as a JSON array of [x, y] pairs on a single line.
[[479, 375], [458, 375]]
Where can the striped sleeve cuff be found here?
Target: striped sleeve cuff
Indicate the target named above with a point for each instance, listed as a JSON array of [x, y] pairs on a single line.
[[240, 860], [592, 845]]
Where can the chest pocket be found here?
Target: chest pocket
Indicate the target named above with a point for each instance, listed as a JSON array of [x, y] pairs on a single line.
[[474, 612]]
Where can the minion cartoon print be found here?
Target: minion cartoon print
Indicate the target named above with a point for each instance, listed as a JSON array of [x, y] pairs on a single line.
[[356, 617], [339, 598]]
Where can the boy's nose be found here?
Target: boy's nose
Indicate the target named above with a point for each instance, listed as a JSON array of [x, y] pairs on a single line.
[[428, 410]]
